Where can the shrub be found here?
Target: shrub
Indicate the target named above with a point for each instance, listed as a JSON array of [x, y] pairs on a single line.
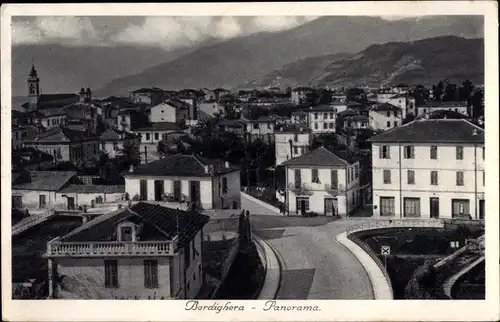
[[310, 214], [422, 284]]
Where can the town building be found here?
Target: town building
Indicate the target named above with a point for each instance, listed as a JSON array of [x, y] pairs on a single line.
[[155, 132], [212, 109], [66, 144], [30, 159], [355, 122], [299, 95], [128, 119], [142, 252], [429, 169], [385, 116], [172, 110], [149, 96], [181, 179], [321, 119], [322, 182], [262, 128], [111, 141], [433, 106], [234, 126], [291, 141]]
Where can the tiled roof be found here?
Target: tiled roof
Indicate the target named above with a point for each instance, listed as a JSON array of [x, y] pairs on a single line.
[[441, 114], [57, 134], [160, 126], [385, 107], [318, 157], [262, 119], [357, 118], [443, 104], [81, 188], [347, 112], [181, 166], [293, 128], [55, 100], [321, 108], [176, 103], [46, 180], [170, 222], [399, 96], [439, 131], [230, 123], [148, 90]]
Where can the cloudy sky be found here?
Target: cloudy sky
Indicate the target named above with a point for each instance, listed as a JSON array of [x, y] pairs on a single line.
[[167, 32]]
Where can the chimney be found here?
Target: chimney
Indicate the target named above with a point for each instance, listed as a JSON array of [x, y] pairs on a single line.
[[206, 168], [474, 132], [131, 169], [226, 164]]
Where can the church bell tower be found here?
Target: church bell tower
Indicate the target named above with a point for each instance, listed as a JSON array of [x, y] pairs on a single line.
[[33, 89]]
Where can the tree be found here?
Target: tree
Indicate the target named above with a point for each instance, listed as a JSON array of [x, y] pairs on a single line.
[[450, 92], [409, 118], [130, 153], [465, 91], [103, 164], [437, 91]]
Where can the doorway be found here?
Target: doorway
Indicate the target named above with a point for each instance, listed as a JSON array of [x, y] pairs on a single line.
[[302, 205], [481, 209], [194, 191], [42, 201], [71, 203], [143, 190], [330, 209], [159, 190]]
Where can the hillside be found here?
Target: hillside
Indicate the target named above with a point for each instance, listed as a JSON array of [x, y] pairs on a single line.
[[420, 62], [240, 60]]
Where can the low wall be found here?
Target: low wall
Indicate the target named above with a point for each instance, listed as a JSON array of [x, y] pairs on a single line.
[[381, 283], [260, 202], [272, 267]]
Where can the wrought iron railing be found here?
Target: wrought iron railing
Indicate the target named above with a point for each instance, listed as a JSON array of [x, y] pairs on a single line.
[[396, 223]]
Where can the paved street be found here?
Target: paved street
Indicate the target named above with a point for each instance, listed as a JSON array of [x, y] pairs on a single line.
[[315, 265]]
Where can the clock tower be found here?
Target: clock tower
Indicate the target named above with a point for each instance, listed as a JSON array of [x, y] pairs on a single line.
[[33, 89]]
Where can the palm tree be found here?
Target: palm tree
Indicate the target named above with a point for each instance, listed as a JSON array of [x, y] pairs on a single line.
[[130, 153], [102, 163]]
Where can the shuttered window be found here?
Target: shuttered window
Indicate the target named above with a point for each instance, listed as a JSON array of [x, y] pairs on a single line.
[[111, 273], [334, 179], [150, 273]]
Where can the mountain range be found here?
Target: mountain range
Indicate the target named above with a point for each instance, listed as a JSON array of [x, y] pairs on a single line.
[[231, 63], [417, 62]]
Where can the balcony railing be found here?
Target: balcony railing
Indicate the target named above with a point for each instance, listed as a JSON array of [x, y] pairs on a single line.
[[301, 189], [334, 191], [99, 249]]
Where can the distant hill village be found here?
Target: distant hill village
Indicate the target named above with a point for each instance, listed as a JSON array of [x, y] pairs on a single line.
[[404, 151]]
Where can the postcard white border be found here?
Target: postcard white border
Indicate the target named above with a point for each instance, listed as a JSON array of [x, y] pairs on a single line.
[[344, 310]]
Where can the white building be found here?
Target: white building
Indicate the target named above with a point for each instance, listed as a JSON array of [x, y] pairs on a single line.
[[429, 168], [322, 182], [142, 252], [385, 116], [291, 142], [261, 128], [320, 119], [186, 179], [169, 111], [459, 107]]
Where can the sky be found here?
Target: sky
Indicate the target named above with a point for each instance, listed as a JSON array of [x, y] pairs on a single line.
[[167, 32]]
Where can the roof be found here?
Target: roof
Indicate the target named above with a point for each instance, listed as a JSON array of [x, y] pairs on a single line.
[[110, 134], [262, 119], [347, 112], [160, 126], [55, 100], [399, 96], [385, 107], [230, 123], [46, 180], [318, 157], [439, 131], [441, 104], [182, 166], [321, 108], [176, 103], [441, 114], [58, 134], [148, 90], [169, 222], [357, 118], [293, 128], [81, 188]]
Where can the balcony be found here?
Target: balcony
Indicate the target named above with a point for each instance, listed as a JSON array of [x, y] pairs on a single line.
[[334, 191], [56, 248], [301, 190]]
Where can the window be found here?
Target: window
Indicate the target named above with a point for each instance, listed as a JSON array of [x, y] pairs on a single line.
[[388, 114], [255, 126], [177, 190], [302, 204], [384, 152], [316, 126], [388, 123], [126, 234], [331, 125], [224, 185], [395, 123], [269, 126], [334, 181], [460, 178], [459, 207], [150, 273], [315, 116], [411, 207], [157, 136], [123, 118], [434, 178], [298, 179], [434, 152], [409, 152], [387, 176], [296, 137], [396, 112], [111, 273], [295, 150], [410, 177], [483, 152], [331, 115], [456, 110], [148, 136], [163, 111], [325, 125], [386, 206], [325, 116], [315, 175], [434, 207], [460, 152], [425, 110]]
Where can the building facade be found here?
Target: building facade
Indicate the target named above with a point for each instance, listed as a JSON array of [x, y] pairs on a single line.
[[429, 169], [385, 116], [323, 183], [459, 107], [291, 142]]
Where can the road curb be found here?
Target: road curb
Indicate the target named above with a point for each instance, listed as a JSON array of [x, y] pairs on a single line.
[[272, 280], [260, 203], [381, 288]]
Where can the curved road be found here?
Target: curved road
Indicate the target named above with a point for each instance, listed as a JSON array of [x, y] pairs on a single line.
[[315, 265]]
